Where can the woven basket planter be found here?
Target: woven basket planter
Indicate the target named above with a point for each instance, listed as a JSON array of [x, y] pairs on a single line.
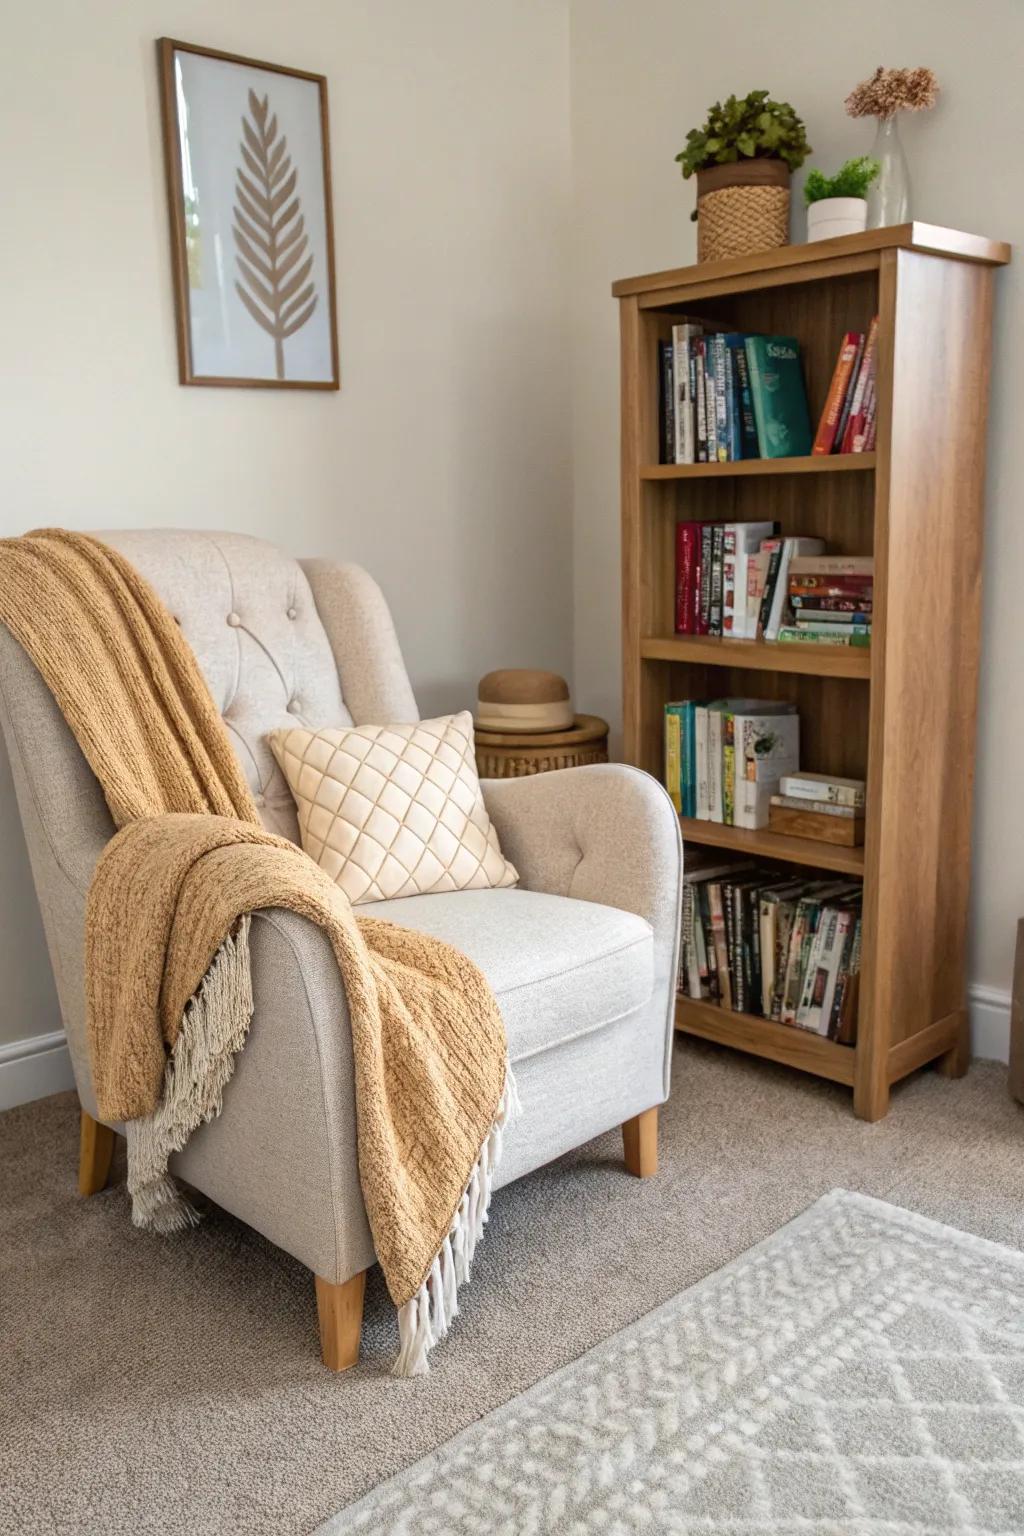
[[742, 208]]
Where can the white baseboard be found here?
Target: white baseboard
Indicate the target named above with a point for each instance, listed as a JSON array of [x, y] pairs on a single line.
[[990, 1022], [32, 1069]]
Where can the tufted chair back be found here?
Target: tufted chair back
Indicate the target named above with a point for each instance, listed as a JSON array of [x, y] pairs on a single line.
[[248, 613]]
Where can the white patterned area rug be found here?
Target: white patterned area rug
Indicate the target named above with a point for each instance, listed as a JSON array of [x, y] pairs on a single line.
[[860, 1373]]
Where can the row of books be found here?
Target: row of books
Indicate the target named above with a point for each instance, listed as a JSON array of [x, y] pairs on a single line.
[[848, 422], [778, 945], [724, 758], [743, 581], [725, 395]]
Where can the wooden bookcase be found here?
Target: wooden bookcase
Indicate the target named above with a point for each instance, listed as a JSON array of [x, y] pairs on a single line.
[[901, 715]]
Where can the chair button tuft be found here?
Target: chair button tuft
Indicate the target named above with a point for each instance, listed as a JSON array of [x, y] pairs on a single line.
[[293, 613], [293, 706], [234, 620], [259, 801]]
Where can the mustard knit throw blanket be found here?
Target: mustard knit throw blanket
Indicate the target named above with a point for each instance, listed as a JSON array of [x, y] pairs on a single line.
[[166, 945]]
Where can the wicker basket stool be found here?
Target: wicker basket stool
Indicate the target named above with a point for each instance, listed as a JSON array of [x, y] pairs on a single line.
[[512, 755]]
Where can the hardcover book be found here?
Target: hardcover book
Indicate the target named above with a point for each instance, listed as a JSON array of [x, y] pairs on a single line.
[[779, 396], [766, 746]]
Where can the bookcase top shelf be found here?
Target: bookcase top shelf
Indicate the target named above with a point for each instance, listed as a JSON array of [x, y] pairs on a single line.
[[806, 464], [760, 655], [929, 238]]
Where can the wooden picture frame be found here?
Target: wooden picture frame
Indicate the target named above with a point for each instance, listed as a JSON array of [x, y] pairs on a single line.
[[252, 236]]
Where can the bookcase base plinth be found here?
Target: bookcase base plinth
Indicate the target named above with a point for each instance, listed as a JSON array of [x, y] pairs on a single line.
[[763, 1037], [941, 1043]]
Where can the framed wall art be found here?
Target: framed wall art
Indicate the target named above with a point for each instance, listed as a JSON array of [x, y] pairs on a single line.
[[249, 185]]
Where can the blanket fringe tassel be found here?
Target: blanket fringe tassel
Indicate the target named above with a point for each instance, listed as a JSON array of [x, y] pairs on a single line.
[[213, 1031], [426, 1317]]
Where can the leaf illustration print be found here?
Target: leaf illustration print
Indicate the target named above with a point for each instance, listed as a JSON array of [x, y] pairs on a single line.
[[269, 231]]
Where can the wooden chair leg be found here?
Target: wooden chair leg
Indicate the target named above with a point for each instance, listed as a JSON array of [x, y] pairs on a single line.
[[640, 1144], [96, 1148], [340, 1310]]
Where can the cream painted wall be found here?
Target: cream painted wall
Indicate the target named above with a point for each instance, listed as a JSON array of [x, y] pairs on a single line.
[[471, 250], [641, 75], [444, 463]]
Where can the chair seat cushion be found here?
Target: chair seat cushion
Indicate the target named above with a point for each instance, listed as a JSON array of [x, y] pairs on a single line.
[[558, 967]]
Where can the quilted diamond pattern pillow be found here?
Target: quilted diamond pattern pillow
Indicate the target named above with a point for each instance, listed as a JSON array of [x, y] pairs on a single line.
[[393, 810]]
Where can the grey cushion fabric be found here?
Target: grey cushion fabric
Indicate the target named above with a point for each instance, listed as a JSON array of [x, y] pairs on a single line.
[[582, 957], [559, 968]]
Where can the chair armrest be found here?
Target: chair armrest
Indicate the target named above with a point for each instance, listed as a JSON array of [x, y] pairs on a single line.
[[606, 833]]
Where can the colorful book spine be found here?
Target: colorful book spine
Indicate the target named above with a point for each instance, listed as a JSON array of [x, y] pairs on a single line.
[[682, 337], [721, 401], [811, 602], [700, 375], [728, 767], [673, 755], [688, 745], [748, 426], [733, 413], [709, 394], [704, 578], [715, 602], [789, 635], [666, 395], [844, 414], [839, 627], [779, 395], [855, 421], [811, 786], [687, 577], [837, 391]]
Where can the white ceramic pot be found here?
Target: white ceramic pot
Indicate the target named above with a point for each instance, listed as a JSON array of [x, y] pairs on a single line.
[[836, 216]]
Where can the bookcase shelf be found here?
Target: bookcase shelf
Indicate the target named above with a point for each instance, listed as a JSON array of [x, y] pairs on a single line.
[[760, 655], [900, 715], [763, 1037], [811, 464], [762, 844]]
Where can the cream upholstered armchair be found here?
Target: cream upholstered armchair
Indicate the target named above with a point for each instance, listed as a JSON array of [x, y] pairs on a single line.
[[581, 955]]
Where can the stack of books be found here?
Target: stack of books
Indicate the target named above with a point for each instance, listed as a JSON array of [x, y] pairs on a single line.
[[725, 758], [780, 946], [831, 598], [848, 421], [725, 395], [819, 805]]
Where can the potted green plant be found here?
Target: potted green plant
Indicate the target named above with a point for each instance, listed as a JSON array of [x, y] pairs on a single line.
[[742, 157], [838, 205]]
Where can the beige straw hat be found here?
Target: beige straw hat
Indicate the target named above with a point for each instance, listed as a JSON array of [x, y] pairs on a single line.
[[522, 699]]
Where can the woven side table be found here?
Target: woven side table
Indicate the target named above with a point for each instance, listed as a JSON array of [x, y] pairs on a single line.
[[513, 754]]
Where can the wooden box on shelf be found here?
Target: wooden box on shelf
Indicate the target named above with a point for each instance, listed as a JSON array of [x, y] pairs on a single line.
[[820, 826], [900, 715]]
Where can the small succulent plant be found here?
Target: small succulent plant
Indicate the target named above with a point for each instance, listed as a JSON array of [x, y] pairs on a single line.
[[851, 180]]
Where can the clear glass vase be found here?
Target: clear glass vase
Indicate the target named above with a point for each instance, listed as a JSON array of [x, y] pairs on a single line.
[[889, 193]]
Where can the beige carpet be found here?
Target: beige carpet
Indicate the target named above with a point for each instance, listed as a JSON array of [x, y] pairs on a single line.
[[172, 1385]]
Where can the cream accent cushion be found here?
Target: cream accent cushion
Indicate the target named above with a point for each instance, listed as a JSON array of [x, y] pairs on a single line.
[[393, 810]]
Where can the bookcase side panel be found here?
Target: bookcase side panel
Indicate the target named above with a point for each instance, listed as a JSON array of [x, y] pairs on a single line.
[[933, 370], [632, 409]]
